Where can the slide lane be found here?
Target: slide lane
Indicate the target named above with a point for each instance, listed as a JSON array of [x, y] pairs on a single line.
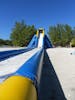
[[11, 65], [10, 53]]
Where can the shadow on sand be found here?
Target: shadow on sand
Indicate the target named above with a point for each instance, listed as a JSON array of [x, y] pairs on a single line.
[[50, 88]]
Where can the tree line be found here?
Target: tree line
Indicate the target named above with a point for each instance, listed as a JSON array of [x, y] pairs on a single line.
[[62, 35], [21, 34], [5, 42]]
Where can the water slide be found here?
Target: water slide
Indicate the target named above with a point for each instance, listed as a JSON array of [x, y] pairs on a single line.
[[20, 70]]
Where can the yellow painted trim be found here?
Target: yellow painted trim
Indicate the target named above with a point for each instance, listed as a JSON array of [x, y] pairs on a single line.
[[38, 32], [17, 88], [43, 33]]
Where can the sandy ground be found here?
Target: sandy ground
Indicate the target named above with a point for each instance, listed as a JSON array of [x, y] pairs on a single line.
[[64, 66]]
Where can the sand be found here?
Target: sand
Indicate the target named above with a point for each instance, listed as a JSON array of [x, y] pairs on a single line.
[[64, 65]]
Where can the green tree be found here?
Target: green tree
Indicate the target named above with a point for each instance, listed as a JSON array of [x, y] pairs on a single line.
[[72, 43], [73, 32], [5, 42], [8, 42], [60, 34], [22, 34], [2, 42]]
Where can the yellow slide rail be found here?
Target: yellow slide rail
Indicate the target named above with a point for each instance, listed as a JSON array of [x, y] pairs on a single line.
[[17, 88]]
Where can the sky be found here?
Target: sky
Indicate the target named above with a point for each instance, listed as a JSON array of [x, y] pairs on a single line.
[[41, 13]]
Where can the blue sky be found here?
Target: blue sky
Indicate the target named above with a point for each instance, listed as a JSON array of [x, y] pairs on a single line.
[[41, 13]]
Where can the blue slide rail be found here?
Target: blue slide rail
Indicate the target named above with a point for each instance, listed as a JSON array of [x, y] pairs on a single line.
[[34, 67]]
